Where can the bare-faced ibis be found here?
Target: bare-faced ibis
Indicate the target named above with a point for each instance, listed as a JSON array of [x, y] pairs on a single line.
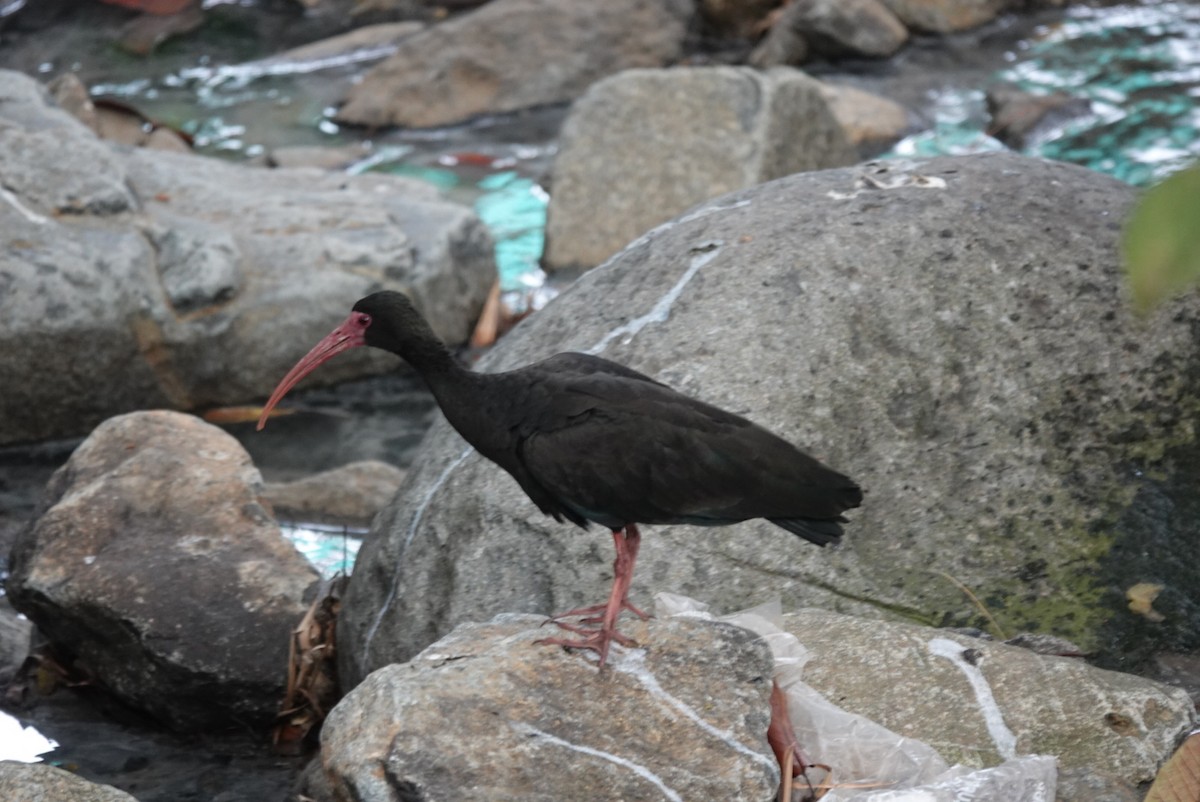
[[590, 440]]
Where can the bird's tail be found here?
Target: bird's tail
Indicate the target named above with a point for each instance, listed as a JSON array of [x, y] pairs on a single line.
[[814, 531]]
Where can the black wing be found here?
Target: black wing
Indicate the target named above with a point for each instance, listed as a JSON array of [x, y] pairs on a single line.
[[615, 447]]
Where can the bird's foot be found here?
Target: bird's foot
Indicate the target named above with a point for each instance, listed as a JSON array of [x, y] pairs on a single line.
[[595, 613], [782, 738], [596, 640]]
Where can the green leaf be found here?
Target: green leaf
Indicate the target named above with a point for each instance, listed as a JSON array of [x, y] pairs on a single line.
[[1162, 240]]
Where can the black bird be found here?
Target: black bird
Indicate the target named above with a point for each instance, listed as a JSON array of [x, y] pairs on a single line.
[[590, 440]]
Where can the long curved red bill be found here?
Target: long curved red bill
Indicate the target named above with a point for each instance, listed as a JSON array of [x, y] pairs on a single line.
[[350, 334]]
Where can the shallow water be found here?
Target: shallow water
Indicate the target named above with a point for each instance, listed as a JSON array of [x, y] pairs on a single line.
[[1137, 65]]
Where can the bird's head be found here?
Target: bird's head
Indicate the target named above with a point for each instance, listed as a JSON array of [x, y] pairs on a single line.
[[386, 320]]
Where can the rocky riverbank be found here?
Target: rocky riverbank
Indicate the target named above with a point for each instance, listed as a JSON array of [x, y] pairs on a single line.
[[951, 332]]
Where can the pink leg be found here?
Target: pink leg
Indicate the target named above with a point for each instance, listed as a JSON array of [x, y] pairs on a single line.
[[627, 549], [782, 739], [598, 640]]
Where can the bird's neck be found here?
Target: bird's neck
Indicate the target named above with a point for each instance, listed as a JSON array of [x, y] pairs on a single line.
[[431, 358], [473, 404]]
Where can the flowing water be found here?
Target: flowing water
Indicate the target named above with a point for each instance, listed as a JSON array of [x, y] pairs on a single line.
[[1138, 66]]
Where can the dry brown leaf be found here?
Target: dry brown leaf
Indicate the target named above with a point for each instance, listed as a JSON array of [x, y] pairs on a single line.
[[1141, 600], [312, 687], [1179, 778], [488, 327]]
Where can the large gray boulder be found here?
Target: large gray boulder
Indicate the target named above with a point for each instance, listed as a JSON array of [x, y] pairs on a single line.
[[643, 146], [981, 702], [950, 332], [349, 495], [515, 54], [153, 567], [137, 279], [487, 713]]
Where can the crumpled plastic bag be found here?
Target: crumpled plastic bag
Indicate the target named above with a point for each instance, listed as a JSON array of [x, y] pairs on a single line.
[[870, 762]]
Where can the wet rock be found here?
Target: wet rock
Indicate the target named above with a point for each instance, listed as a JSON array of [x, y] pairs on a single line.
[[155, 568], [783, 46], [325, 158], [50, 165], [142, 35], [1020, 117], [872, 123], [112, 120], [106, 742], [980, 374], [70, 93], [350, 495], [981, 702], [514, 54], [162, 138], [32, 782], [313, 784], [716, 129], [737, 18], [353, 45], [488, 713], [15, 633], [863, 28], [945, 16], [198, 282], [1180, 670]]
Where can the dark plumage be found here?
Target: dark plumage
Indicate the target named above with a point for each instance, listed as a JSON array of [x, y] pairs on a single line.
[[591, 440]]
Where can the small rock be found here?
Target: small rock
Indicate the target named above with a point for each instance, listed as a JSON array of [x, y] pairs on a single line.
[[313, 785], [514, 54], [837, 28], [163, 138], [35, 782], [1019, 117], [737, 18], [871, 122], [783, 46], [945, 16], [347, 46], [349, 495], [717, 129], [15, 634], [70, 93], [1180, 670], [113, 120], [324, 158], [144, 33], [154, 566], [487, 713]]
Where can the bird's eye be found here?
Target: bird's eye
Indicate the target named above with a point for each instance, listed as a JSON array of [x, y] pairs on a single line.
[[363, 319]]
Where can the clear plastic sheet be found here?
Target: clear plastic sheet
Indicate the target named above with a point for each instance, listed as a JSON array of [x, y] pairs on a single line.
[[870, 762]]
